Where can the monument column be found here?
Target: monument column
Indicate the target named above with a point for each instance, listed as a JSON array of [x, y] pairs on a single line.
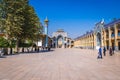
[[46, 32]]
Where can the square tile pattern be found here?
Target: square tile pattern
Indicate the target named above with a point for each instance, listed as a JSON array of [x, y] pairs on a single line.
[[60, 64]]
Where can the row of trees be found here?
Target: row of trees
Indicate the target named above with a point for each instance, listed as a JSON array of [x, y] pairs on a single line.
[[19, 22]]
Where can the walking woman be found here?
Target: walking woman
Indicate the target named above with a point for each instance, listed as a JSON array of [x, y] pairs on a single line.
[[100, 53]]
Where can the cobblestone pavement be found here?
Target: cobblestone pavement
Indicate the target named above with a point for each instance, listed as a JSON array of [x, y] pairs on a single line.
[[60, 64]]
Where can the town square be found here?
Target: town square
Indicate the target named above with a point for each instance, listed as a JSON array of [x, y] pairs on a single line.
[[59, 40], [60, 64]]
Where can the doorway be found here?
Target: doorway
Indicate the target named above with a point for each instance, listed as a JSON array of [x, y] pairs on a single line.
[[98, 39], [60, 41]]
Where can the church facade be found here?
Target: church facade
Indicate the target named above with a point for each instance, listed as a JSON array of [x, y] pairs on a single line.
[[105, 35], [60, 39]]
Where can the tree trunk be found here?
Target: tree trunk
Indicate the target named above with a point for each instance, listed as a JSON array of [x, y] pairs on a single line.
[[28, 50], [5, 50], [32, 49], [17, 46], [11, 50], [10, 42], [23, 49]]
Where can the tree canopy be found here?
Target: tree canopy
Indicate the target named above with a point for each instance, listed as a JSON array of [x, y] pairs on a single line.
[[18, 20]]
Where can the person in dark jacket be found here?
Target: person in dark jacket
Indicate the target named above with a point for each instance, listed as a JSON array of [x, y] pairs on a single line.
[[104, 51], [110, 51]]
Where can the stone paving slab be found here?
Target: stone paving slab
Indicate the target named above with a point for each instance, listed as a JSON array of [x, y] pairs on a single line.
[[60, 64]]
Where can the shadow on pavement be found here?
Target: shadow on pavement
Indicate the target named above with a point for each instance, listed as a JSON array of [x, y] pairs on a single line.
[[46, 51], [31, 52], [2, 57], [35, 52]]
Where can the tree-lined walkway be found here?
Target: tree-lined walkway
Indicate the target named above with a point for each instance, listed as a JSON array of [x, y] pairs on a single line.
[[60, 64]]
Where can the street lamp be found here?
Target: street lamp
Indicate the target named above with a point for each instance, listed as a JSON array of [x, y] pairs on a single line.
[[46, 31]]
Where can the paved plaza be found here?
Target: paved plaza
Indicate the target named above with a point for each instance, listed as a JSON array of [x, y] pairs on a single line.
[[60, 64]]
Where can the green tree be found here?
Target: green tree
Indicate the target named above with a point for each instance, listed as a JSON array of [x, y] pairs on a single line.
[[31, 26], [19, 21], [3, 43], [12, 18]]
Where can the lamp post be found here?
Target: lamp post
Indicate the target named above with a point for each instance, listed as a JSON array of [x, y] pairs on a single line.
[[46, 31]]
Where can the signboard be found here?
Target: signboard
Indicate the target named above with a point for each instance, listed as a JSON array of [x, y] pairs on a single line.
[[97, 47], [39, 43]]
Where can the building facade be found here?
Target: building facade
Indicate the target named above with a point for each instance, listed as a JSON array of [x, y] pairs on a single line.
[[105, 35], [60, 39]]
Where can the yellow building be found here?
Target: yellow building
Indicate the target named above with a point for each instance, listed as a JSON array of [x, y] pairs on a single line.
[[105, 35]]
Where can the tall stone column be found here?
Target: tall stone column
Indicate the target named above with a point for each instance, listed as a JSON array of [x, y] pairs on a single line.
[[85, 42], [63, 42], [109, 31], [80, 42], [94, 41], [104, 40], [116, 36], [56, 43], [89, 41]]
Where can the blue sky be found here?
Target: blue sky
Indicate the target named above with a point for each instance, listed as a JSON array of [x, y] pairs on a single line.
[[75, 16]]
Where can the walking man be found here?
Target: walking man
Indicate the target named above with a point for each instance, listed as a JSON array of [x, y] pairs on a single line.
[[100, 53]]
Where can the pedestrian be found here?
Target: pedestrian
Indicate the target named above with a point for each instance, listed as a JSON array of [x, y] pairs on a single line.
[[110, 51], [104, 51], [100, 53], [113, 50]]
